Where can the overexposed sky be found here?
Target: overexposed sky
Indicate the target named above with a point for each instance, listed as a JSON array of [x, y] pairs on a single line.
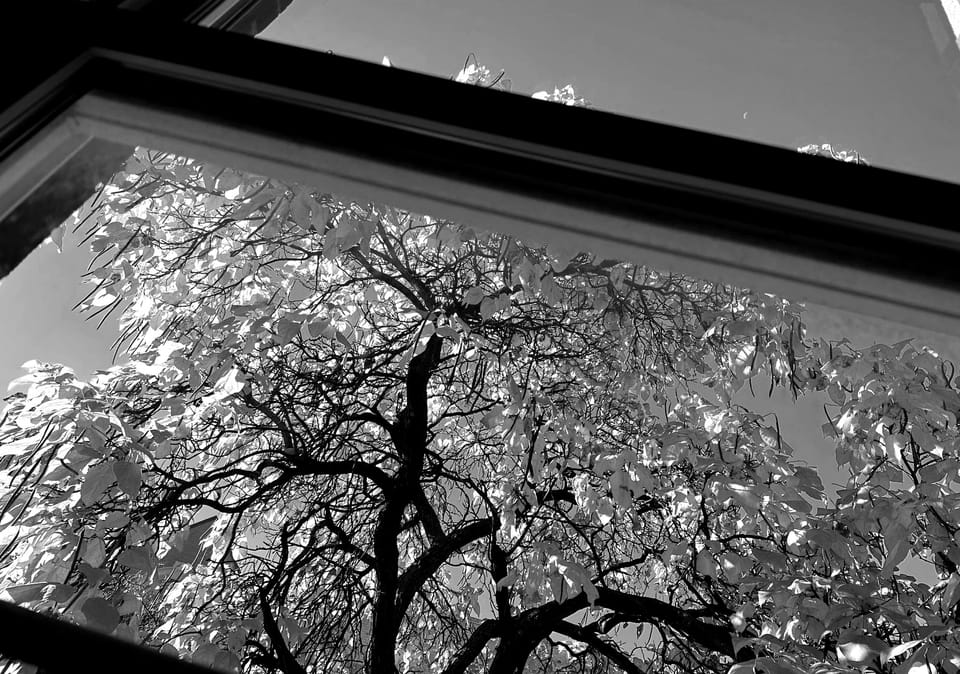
[[952, 10]]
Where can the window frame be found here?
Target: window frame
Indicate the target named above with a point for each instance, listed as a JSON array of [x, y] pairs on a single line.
[[47, 168], [852, 237], [57, 646]]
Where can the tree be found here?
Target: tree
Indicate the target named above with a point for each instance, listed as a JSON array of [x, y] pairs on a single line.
[[351, 438]]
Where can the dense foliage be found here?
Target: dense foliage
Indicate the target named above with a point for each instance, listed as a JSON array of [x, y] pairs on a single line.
[[345, 437]]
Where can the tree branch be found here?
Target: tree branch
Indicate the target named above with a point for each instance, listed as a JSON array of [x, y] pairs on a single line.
[[533, 625], [485, 631], [346, 467], [593, 640], [428, 516], [409, 437], [344, 540], [648, 609], [288, 663], [429, 562]]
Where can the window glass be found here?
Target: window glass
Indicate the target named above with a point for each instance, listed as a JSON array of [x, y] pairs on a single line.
[[317, 433]]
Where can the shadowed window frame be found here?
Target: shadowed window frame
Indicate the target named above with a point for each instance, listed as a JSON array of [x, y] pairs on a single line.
[[173, 76]]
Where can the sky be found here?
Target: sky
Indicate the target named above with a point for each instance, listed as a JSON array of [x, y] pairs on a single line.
[[861, 74]]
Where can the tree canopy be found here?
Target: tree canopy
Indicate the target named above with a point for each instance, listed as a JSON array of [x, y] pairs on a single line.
[[345, 437]]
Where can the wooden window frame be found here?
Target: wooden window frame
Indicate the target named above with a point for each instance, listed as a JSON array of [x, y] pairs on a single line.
[[848, 236], [852, 237]]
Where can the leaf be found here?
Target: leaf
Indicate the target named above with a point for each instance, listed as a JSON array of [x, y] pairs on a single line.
[[226, 661], [951, 593], [22, 446], [861, 651], [57, 237], [488, 307], [705, 564], [836, 393], [916, 665], [774, 560], [129, 604], [95, 482], [560, 256], [100, 614], [128, 477], [493, 418], [102, 299], [894, 445], [58, 592], [206, 654], [899, 649], [622, 488], [93, 576], [896, 553], [579, 577], [230, 383], [22, 594], [739, 643], [94, 552], [745, 495], [139, 559], [317, 329], [474, 295], [744, 360], [449, 332], [286, 330], [115, 520], [208, 174], [247, 209]]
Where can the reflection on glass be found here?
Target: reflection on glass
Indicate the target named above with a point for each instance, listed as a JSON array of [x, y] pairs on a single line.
[[878, 76], [341, 437], [8, 666]]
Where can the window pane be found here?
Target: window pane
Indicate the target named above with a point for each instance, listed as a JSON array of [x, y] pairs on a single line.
[[877, 77], [341, 436]]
